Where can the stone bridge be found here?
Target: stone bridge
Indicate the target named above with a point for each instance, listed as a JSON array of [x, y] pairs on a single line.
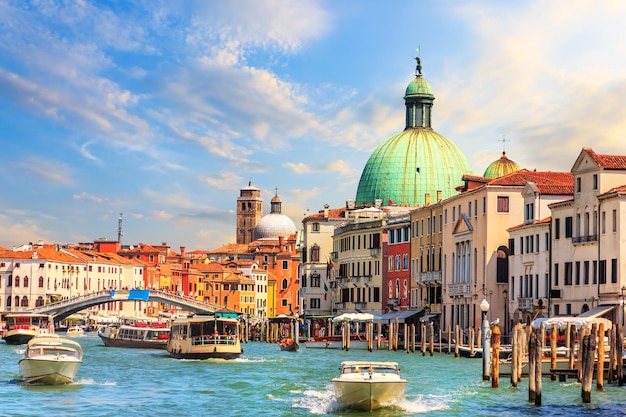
[[62, 309]]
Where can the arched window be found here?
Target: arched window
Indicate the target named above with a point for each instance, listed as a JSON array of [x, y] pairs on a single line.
[[10, 281], [391, 290], [40, 282], [25, 282], [285, 283], [9, 301], [502, 265], [39, 301], [17, 282], [17, 301], [398, 287], [24, 301], [315, 253]]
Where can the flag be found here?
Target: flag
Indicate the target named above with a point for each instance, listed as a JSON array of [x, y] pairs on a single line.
[[389, 202], [325, 287]]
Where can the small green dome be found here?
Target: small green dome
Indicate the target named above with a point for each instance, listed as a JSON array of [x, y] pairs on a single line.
[[419, 86], [501, 167], [409, 165]]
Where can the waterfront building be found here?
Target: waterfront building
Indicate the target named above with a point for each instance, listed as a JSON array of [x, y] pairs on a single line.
[[357, 278], [317, 259], [225, 285], [426, 256], [415, 162], [475, 243], [588, 234], [396, 282], [33, 275], [528, 293]]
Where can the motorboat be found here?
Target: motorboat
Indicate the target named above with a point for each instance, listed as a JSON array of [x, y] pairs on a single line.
[[75, 331], [137, 334], [22, 327], [477, 352], [368, 385], [288, 344], [214, 335], [50, 360]]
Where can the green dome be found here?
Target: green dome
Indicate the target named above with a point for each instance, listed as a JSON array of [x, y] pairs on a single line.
[[409, 165], [415, 162], [501, 167], [419, 86]]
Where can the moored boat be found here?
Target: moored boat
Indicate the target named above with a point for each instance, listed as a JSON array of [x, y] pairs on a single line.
[[75, 331], [366, 385], [50, 360], [357, 341], [205, 336], [288, 345], [22, 327], [138, 334]]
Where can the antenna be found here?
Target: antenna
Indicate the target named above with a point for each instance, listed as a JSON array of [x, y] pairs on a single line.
[[120, 233]]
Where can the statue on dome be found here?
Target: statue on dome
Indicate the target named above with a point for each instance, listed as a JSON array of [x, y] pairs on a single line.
[[418, 68]]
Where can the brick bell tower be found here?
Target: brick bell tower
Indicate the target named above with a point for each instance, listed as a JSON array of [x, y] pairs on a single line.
[[249, 212]]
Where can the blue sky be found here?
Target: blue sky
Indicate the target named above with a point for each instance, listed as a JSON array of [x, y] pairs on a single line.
[[163, 110]]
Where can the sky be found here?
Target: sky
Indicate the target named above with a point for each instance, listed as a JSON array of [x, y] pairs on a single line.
[[164, 110]]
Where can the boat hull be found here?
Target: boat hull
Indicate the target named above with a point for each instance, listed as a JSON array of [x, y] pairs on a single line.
[[19, 337], [48, 371], [291, 347], [130, 343], [366, 394]]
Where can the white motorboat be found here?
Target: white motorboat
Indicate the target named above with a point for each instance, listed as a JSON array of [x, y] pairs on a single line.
[[50, 360], [368, 385], [75, 331]]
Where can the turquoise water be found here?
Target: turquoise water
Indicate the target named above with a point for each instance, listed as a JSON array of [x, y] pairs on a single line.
[[266, 381]]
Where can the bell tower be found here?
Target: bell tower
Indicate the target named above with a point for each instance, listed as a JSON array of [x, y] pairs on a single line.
[[249, 212]]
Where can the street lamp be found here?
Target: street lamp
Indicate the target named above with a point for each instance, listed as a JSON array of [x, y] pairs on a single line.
[[484, 307]]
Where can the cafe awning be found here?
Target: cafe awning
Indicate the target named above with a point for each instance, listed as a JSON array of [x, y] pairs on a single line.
[[402, 316]]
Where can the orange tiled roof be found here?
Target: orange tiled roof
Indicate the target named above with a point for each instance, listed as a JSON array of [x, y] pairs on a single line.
[[338, 213], [607, 161], [615, 190], [523, 176]]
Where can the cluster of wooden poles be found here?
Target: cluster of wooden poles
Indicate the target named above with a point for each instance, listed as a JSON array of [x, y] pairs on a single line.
[[585, 357]]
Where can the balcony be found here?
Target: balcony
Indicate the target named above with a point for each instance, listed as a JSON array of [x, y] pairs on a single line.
[[433, 277], [360, 306], [524, 303], [367, 280], [459, 289], [585, 239], [375, 252], [393, 301], [333, 256]]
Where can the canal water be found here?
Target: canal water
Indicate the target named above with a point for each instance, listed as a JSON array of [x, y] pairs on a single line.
[[266, 381]]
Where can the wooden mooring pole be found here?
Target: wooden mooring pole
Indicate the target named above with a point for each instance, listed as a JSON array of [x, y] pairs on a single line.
[[495, 356]]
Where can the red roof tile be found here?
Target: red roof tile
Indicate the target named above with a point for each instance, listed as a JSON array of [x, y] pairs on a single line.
[[607, 161]]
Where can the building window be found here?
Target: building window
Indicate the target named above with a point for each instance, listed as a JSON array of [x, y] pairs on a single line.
[[315, 279], [503, 204], [40, 282], [568, 273], [557, 228], [390, 268], [285, 265], [578, 184], [285, 283], [484, 205], [315, 227], [595, 181], [614, 221], [568, 227], [398, 263], [315, 253], [405, 262], [315, 303], [614, 271]]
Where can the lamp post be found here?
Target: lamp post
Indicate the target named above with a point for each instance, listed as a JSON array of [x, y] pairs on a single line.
[[484, 307]]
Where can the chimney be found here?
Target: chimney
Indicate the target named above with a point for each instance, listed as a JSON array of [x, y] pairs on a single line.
[[281, 242], [427, 199], [439, 196], [182, 251], [326, 211]]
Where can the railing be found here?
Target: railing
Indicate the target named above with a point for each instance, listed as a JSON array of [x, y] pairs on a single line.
[[462, 289], [375, 252], [584, 239], [524, 303], [360, 306], [428, 277]]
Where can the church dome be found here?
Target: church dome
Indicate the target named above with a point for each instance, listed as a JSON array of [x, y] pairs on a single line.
[[416, 161], [274, 224], [501, 167]]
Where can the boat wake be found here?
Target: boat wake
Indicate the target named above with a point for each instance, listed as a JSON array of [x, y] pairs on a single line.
[[325, 402], [89, 381]]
